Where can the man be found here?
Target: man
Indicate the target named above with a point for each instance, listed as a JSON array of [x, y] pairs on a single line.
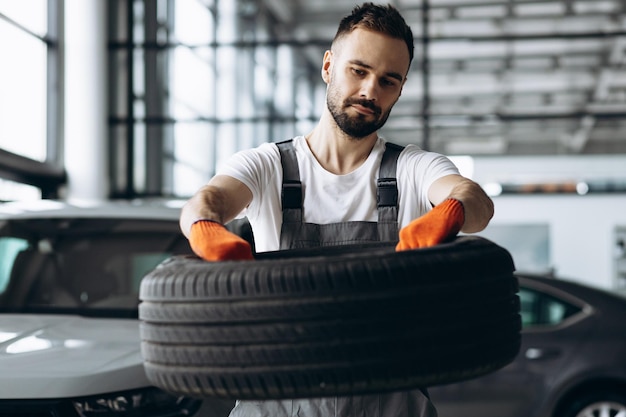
[[340, 184]]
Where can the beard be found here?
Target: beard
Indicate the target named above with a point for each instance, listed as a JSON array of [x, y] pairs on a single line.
[[357, 127]]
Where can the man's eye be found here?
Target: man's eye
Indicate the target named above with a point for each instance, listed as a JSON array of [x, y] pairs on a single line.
[[358, 71]]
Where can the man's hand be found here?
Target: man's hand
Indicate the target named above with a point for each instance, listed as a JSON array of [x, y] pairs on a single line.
[[213, 242], [443, 222]]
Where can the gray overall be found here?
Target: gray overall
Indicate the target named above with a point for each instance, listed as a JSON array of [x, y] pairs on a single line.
[[298, 234]]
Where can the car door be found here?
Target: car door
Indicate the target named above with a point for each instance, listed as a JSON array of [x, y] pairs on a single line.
[[521, 387]]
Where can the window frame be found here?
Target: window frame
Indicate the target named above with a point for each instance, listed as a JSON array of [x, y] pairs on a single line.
[[49, 175]]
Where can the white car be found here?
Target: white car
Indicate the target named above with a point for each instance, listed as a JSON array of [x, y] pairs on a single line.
[[69, 332]]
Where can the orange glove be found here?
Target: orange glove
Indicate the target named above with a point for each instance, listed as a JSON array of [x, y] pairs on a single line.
[[443, 222], [213, 242]]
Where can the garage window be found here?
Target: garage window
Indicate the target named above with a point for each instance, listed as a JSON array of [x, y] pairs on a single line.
[[30, 99]]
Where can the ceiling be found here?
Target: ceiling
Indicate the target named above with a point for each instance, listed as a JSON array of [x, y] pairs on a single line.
[[526, 77]]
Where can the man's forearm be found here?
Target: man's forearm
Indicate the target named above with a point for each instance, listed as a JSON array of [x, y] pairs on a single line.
[[220, 200], [207, 203], [478, 206]]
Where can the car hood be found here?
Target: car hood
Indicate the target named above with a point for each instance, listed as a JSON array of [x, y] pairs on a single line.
[[50, 356]]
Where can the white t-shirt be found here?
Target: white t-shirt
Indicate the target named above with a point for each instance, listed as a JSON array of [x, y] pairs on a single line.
[[331, 198]]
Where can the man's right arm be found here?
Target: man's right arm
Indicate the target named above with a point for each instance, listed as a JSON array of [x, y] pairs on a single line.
[[220, 200]]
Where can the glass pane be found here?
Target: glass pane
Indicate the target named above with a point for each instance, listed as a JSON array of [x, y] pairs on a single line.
[[227, 82], [194, 156], [555, 312], [528, 307], [22, 93], [80, 262], [541, 309], [9, 248], [31, 14], [141, 264], [192, 83], [194, 23]]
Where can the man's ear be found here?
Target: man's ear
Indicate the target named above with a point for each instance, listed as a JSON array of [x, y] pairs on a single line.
[[326, 65]]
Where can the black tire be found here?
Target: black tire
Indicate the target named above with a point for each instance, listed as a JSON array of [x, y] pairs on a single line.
[[331, 321], [606, 402]]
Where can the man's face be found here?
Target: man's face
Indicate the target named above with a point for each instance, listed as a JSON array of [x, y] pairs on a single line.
[[365, 73]]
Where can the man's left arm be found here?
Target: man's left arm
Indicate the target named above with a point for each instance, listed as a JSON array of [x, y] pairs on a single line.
[[459, 203]]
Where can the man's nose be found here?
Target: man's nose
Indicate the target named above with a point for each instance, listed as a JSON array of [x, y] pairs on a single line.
[[369, 89]]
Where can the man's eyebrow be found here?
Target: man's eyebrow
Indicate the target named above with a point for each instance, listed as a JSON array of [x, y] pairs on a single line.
[[360, 63]]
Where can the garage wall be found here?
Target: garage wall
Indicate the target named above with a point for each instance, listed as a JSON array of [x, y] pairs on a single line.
[[581, 231], [582, 242]]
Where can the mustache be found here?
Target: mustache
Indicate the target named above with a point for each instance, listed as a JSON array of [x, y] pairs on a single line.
[[365, 103]]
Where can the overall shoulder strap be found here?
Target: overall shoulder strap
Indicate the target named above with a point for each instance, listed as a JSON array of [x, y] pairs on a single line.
[[387, 193], [387, 184], [291, 195]]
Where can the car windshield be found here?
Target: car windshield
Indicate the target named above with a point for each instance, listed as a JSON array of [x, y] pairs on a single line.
[[88, 266]]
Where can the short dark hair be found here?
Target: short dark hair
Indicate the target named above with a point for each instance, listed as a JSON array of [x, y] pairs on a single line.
[[378, 18]]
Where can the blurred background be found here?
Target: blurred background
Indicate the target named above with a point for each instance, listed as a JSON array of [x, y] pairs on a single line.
[[128, 99]]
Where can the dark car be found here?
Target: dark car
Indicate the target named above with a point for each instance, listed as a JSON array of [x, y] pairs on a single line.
[[572, 362]]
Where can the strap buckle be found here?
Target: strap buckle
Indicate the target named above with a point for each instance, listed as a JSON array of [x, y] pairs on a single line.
[[387, 192], [292, 194]]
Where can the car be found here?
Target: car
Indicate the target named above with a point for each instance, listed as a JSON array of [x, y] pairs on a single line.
[[69, 328], [572, 361]]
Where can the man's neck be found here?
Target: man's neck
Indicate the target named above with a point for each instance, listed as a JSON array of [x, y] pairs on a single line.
[[336, 151]]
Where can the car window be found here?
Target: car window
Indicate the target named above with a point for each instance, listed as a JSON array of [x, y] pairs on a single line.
[[541, 309], [141, 264], [82, 263], [9, 248]]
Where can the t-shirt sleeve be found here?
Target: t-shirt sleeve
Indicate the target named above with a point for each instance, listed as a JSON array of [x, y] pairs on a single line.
[[417, 170], [427, 167], [256, 168]]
